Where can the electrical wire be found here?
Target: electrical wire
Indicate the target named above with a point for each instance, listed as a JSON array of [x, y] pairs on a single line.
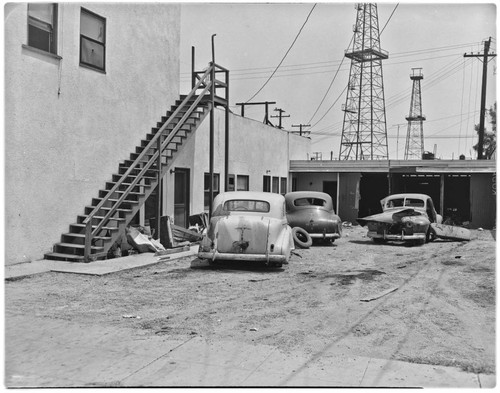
[[329, 87], [390, 16], [284, 57]]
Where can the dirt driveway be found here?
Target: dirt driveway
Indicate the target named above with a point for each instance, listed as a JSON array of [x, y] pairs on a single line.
[[436, 304]]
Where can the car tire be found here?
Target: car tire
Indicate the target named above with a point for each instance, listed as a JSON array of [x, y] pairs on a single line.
[[301, 237]]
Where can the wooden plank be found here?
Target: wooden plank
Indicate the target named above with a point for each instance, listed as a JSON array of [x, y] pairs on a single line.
[[379, 295]]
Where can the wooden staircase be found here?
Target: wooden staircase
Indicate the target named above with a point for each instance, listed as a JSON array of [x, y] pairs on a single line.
[[109, 213]]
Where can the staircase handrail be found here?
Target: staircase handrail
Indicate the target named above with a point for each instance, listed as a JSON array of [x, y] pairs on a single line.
[[89, 234]]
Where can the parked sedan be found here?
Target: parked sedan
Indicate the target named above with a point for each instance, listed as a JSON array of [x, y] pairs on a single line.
[[406, 217], [313, 212], [249, 226]]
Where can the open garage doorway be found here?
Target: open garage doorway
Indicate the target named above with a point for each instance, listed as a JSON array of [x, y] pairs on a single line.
[[456, 199], [330, 188], [372, 188]]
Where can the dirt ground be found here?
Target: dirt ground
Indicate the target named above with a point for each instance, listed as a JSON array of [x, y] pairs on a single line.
[[437, 304]]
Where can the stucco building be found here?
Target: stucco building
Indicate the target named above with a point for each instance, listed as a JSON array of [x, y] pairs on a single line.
[[84, 84]]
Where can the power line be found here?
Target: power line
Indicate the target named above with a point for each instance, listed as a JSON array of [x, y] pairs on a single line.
[[390, 16], [286, 54], [331, 83], [395, 55]]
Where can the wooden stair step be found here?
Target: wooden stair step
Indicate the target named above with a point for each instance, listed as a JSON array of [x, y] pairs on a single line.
[[62, 256], [79, 246], [82, 235]]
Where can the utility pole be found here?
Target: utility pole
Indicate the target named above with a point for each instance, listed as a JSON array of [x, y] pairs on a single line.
[[485, 55], [266, 105], [280, 116], [212, 132], [300, 126]]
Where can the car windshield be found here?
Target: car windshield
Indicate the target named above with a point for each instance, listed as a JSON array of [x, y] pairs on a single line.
[[309, 202], [247, 205], [410, 202]]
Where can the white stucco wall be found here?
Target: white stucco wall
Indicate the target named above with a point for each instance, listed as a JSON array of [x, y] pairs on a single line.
[[254, 149], [60, 149]]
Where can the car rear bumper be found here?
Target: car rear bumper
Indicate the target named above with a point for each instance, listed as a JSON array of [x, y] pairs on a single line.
[[387, 236], [214, 255]]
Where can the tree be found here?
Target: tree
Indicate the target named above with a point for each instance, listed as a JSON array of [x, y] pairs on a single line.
[[490, 137]]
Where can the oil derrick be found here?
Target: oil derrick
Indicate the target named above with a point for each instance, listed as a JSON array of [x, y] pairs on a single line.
[[414, 149], [364, 132]]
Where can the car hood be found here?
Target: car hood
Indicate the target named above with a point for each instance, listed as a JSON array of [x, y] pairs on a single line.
[[390, 216]]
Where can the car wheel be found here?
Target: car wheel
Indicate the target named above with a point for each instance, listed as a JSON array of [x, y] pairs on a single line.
[[301, 237]]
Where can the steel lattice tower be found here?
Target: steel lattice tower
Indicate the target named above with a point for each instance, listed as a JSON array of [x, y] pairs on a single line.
[[414, 148], [364, 132]]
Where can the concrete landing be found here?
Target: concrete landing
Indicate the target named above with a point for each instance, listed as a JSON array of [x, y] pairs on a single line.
[[97, 268]]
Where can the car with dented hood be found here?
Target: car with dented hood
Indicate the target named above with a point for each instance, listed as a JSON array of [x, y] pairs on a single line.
[[248, 226], [313, 211], [407, 217]]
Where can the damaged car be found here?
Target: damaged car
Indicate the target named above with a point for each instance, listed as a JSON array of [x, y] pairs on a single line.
[[410, 218], [248, 226], [313, 212]]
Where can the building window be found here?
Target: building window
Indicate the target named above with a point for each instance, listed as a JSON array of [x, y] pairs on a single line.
[[267, 184], [242, 182], [92, 40], [206, 188], [283, 185], [230, 183], [42, 26], [276, 184]]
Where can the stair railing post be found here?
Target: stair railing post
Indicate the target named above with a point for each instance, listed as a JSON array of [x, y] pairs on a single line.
[[159, 191], [88, 241]]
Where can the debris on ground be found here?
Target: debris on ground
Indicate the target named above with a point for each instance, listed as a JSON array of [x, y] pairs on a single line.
[[379, 295], [142, 242]]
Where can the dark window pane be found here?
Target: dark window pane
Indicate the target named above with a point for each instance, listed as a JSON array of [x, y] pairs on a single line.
[[38, 38], [267, 184], [92, 53]]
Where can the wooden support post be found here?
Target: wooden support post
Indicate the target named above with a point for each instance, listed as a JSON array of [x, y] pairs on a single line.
[[441, 196], [159, 191], [88, 241]]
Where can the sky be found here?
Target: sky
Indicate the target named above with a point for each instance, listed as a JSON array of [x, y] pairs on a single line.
[[253, 39]]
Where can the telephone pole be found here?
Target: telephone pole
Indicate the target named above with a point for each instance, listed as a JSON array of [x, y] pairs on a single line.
[[485, 55], [301, 126], [280, 116]]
